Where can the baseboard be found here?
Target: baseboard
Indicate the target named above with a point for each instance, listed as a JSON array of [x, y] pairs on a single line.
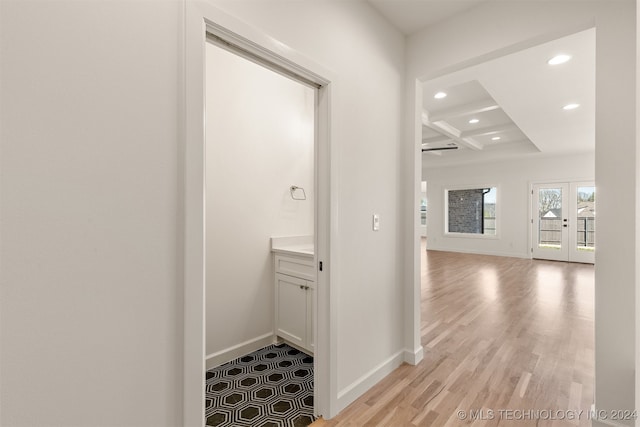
[[356, 389], [231, 353], [413, 357], [490, 253], [280, 340], [602, 422], [607, 423]]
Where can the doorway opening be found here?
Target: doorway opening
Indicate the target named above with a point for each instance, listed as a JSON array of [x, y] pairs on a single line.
[[205, 23], [259, 204], [563, 221], [462, 136]]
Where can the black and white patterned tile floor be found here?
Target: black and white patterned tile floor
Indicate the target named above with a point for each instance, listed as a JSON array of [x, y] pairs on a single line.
[[271, 387]]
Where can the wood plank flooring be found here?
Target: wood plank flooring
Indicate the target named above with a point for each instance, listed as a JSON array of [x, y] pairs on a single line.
[[499, 334]]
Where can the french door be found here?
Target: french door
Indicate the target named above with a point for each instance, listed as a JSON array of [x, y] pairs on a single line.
[[563, 221]]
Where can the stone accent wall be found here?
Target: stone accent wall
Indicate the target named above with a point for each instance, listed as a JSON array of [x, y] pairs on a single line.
[[465, 211]]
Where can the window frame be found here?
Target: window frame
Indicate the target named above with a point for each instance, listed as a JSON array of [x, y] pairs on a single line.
[[454, 234]]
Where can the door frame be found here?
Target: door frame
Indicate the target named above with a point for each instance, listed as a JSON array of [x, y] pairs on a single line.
[[549, 254], [571, 185], [201, 18], [574, 254]]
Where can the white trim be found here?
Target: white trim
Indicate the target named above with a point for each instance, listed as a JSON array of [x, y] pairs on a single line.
[[598, 423], [542, 252], [200, 17], [455, 235], [570, 254], [412, 155], [231, 353], [531, 218], [354, 390], [414, 357], [280, 340], [575, 255], [268, 50], [637, 222], [193, 175], [476, 252]]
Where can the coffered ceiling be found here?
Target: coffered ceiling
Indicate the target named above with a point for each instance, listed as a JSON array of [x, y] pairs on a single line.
[[517, 99], [514, 105], [468, 118]]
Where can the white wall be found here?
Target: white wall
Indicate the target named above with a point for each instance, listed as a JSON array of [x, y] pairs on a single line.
[[260, 142], [513, 179], [637, 216], [423, 195], [90, 299], [367, 56], [494, 28], [91, 288]]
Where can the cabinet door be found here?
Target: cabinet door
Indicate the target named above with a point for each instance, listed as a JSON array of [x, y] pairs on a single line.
[[291, 316]]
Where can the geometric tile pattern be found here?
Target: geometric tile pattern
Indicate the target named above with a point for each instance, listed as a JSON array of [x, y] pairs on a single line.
[[271, 387]]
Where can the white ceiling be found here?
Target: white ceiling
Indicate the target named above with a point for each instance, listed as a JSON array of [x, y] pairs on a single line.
[[468, 120], [523, 95], [527, 113], [410, 16]]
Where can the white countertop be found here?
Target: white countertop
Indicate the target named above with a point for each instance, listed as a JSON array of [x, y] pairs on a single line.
[[293, 245]]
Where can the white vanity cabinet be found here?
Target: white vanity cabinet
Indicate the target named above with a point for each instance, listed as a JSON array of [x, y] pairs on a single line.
[[295, 298]]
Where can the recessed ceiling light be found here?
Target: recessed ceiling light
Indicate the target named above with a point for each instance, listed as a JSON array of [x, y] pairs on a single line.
[[570, 106], [474, 121], [559, 59], [440, 95], [495, 138]]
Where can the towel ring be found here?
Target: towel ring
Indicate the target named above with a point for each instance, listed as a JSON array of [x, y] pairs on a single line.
[[293, 190]]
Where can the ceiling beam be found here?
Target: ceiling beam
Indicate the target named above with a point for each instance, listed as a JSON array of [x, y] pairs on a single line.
[[464, 110], [512, 144], [489, 130], [453, 133], [436, 139], [445, 129], [432, 153], [474, 143], [425, 118]]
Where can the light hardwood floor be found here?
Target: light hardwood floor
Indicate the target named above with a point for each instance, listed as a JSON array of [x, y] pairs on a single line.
[[498, 334]]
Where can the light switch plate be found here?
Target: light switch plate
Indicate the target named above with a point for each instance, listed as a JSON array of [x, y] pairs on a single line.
[[376, 222]]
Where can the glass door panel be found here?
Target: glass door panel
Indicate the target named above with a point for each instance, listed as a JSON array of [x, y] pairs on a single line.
[[583, 235], [564, 221], [550, 222]]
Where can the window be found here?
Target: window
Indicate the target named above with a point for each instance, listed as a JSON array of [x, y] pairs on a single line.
[[471, 211]]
